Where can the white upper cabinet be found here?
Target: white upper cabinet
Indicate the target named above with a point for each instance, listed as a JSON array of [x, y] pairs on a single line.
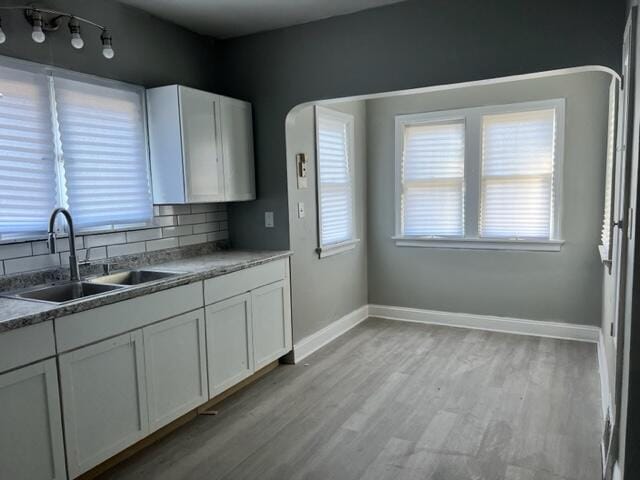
[[201, 146], [237, 149]]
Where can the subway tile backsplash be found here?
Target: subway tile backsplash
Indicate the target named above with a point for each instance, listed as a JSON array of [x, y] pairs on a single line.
[[173, 226]]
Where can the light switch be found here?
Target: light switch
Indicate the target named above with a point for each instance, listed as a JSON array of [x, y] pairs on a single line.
[[300, 209], [268, 219]]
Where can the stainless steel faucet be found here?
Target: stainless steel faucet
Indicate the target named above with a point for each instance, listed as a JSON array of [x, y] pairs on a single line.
[[73, 260]]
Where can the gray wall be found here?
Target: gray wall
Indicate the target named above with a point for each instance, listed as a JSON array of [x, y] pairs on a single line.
[[149, 51], [563, 286], [411, 44], [324, 290]]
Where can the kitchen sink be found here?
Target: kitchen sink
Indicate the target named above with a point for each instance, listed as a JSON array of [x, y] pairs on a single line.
[[132, 277], [65, 292]]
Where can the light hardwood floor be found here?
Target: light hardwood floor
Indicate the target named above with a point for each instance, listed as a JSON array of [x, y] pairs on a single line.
[[392, 400]]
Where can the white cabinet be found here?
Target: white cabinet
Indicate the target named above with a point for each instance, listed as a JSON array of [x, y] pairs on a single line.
[[31, 444], [103, 400], [237, 149], [229, 343], [271, 323], [201, 146], [175, 364]]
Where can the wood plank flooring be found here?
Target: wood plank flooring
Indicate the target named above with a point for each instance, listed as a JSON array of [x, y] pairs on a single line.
[[393, 400]]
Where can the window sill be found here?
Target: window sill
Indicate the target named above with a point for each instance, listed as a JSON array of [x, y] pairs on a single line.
[[480, 244], [336, 249], [604, 256]]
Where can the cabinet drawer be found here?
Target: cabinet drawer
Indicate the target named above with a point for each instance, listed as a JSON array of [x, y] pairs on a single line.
[[103, 322], [26, 345], [227, 286]]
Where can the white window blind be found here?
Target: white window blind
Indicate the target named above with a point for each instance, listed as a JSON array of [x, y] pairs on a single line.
[[103, 146], [27, 160], [432, 177], [607, 227], [518, 152], [335, 176]]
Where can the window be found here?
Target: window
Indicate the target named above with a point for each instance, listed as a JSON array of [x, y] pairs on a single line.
[[433, 179], [606, 237], [486, 177], [27, 153], [334, 153], [72, 141], [517, 174]]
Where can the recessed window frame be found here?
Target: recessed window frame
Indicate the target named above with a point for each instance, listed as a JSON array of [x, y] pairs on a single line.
[[326, 250], [473, 177], [51, 72]]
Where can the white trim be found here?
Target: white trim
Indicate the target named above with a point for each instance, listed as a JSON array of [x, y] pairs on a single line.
[[617, 474], [538, 328], [480, 243], [603, 368], [468, 84], [308, 345], [337, 248]]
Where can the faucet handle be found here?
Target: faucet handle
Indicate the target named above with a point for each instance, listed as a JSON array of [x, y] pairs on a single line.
[[51, 242]]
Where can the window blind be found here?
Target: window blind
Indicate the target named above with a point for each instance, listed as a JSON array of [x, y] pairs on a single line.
[[335, 189], [518, 152], [607, 230], [432, 173], [27, 160], [103, 146]]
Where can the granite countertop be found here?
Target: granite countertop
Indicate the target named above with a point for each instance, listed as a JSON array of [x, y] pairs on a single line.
[[16, 313]]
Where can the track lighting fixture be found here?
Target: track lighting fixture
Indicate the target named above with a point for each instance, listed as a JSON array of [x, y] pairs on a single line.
[[45, 20]]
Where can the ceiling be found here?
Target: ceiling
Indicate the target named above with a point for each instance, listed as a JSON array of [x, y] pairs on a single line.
[[233, 18]]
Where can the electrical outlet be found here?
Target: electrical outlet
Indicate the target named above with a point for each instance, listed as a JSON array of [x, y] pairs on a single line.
[[268, 219], [300, 209]]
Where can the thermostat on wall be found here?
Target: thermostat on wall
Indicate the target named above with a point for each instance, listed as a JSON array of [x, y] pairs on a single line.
[[301, 169]]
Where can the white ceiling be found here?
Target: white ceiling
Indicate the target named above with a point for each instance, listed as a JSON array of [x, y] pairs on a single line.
[[233, 18]]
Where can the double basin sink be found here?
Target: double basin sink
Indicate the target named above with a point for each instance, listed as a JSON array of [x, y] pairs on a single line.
[[68, 291]]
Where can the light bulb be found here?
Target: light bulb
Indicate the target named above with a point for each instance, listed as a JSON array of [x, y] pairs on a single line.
[[108, 52], [76, 39], [107, 48], [3, 36], [37, 34]]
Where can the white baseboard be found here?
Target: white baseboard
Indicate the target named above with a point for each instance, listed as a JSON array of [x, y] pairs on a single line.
[[319, 339], [617, 474], [491, 323], [603, 367]]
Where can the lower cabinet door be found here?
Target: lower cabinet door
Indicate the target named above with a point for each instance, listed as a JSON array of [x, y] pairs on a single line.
[[271, 322], [229, 343], [31, 445], [104, 400], [175, 363]]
